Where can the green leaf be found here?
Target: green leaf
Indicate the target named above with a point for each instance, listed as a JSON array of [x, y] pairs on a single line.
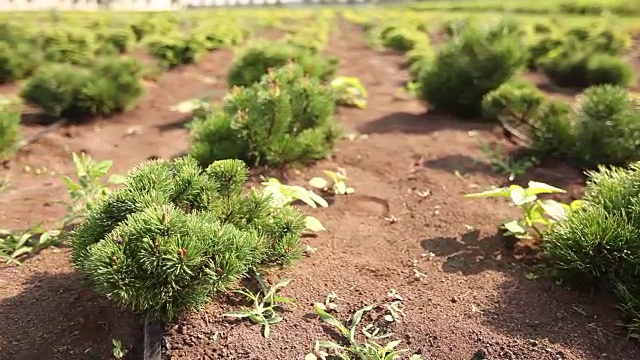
[[101, 168], [329, 319], [237, 314], [329, 345], [535, 188], [117, 179], [266, 330], [310, 356], [499, 192], [71, 186], [21, 251], [554, 209], [536, 215], [357, 317], [274, 288], [318, 199], [519, 196], [577, 204], [313, 224], [318, 182], [514, 227], [282, 299]]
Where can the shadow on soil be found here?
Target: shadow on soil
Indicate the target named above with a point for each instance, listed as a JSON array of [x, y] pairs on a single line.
[[537, 310], [55, 317], [425, 123], [461, 163]]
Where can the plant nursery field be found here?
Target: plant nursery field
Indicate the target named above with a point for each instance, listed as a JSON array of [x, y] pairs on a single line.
[[408, 109]]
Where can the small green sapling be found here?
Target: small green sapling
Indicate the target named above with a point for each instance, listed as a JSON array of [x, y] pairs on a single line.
[[336, 183], [535, 212]]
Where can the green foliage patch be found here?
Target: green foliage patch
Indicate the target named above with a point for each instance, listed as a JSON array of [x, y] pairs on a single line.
[[257, 58], [174, 234], [63, 90], [475, 62], [286, 117]]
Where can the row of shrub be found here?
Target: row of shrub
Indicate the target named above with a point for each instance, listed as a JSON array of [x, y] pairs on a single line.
[[23, 51], [581, 56], [172, 42], [618, 7]]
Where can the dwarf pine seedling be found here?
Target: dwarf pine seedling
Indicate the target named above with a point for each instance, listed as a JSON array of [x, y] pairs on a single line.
[[174, 234], [535, 212], [336, 183]]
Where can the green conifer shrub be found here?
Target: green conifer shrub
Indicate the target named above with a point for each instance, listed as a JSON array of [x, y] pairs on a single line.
[[174, 49], [518, 101], [475, 62], [575, 66], [286, 117], [606, 127], [220, 35], [9, 131], [17, 61], [108, 86], [552, 134], [153, 25], [121, 39], [603, 128], [599, 245], [256, 59], [174, 234], [584, 56], [404, 39], [609, 69], [66, 44]]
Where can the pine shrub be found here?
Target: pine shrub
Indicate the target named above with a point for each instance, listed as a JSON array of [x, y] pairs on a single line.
[[256, 59], [603, 128], [173, 50], [153, 26], [109, 86], [552, 134], [404, 39], [286, 117], [608, 69], [121, 39], [9, 131], [67, 45], [175, 234], [584, 56], [221, 35], [599, 245], [578, 67], [514, 100], [472, 64], [17, 61], [607, 127]]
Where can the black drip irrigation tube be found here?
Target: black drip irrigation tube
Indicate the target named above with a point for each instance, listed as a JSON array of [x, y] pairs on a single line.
[[152, 340]]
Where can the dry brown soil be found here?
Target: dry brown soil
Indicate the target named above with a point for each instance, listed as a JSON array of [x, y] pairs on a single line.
[[472, 299]]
